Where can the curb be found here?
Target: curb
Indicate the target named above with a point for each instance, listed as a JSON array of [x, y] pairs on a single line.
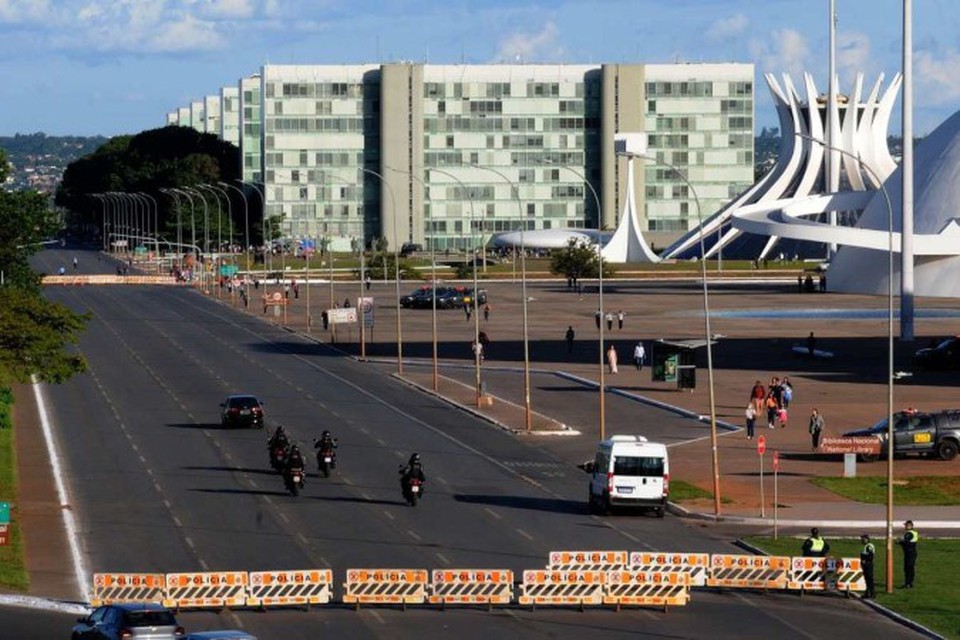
[[44, 604], [879, 608]]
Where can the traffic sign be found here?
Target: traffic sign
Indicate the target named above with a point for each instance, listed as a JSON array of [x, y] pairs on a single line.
[[277, 296], [4, 512], [776, 461], [761, 445], [4, 535]]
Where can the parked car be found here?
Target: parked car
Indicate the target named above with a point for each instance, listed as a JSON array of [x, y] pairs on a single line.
[[932, 434], [418, 299], [946, 355], [133, 620], [241, 410], [481, 296]]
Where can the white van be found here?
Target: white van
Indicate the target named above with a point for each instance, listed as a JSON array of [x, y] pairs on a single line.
[[629, 471]]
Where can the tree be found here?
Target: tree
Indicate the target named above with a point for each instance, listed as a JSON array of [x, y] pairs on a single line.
[[34, 336], [579, 259]]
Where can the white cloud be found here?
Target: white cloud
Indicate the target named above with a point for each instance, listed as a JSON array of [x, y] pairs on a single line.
[[24, 11], [784, 51], [853, 56], [728, 28], [186, 34], [937, 76], [526, 47], [229, 9]]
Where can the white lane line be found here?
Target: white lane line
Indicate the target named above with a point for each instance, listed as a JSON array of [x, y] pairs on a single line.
[[143, 460], [388, 514], [79, 568], [302, 538], [381, 442], [493, 513], [204, 565], [441, 480], [366, 496], [377, 616], [525, 534], [283, 517], [176, 521], [189, 542], [325, 562], [413, 534], [166, 503], [443, 558]]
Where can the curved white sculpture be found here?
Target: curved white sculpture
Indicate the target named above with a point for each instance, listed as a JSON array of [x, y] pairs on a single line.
[[627, 243], [800, 164]]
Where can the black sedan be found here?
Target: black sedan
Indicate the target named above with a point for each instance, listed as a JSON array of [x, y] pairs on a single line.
[[241, 411], [945, 355]]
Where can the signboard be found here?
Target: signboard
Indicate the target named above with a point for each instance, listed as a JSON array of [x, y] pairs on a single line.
[[4, 535], [761, 445], [863, 445], [776, 461], [665, 364], [342, 316], [4, 512], [228, 270], [366, 304]]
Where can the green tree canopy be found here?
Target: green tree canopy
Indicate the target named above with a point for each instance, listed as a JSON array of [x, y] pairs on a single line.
[[25, 221], [579, 259]]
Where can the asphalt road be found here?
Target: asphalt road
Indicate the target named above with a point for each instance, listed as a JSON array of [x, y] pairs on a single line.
[[156, 485]]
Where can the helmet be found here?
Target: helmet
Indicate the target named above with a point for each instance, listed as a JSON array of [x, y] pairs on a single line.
[[326, 434], [294, 449], [415, 458], [279, 429]]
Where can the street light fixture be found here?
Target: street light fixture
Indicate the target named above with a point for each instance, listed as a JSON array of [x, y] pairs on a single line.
[[886, 200], [246, 230], [706, 317]]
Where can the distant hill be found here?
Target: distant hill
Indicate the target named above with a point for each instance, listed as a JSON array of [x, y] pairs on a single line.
[[37, 161]]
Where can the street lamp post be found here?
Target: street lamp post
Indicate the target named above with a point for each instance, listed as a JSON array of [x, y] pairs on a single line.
[[396, 264], [218, 275], [706, 320], [886, 200], [528, 413], [246, 231]]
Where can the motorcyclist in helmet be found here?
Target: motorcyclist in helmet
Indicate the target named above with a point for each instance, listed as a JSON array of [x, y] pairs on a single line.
[[295, 459], [278, 439], [414, 469], [326, 442]]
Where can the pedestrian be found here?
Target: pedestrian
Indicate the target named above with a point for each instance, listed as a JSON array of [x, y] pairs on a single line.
[[811, 345], [867, 553], [787, 394], [751, 415], [467, 309], [74, 264], [815, 428], [346, 303], [800, 283], [286, 291], [815, 546], [823, 283], [612, 358], [367, 281], [772, 412], [477, 349], [639, 353], [782, 417], [757, 396], [325, 319], [909, 545], [609, 319], [776, 390], [486, 312], [570, 337], [597, 317], [296, 291], [620, 316]]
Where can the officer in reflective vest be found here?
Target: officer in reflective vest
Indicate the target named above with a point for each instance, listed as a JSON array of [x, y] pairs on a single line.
[[909, 544], [815, 546], [866, 563]]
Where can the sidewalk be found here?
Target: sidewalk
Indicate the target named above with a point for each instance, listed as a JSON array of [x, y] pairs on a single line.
[[849, 390]]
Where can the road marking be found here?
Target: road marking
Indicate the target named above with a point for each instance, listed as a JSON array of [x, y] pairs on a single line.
[[204, 565], [283, 516], [441, 480], [493, 513], [302, 538], [381, 442], [525, 534], [167, 504], [189, 541], [366, 496], [443, 558], [377, 616], [388, 514], [176, 521], [143, 460], [413, 534]]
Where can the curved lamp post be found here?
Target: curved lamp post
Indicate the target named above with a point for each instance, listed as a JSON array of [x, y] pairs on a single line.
[[706, 320], [246, 229], [886, 200]]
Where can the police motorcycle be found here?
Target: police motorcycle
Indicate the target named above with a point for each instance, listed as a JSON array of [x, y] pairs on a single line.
[[412, 480], [294, 472], [278, 447], [326, 453]]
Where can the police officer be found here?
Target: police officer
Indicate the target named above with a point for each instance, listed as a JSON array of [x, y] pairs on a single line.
[[909, 544], [815, 546], [866, 563]]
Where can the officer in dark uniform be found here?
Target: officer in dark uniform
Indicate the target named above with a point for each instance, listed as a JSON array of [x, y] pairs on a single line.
[[815, 546], [909, 544], [866, 564]]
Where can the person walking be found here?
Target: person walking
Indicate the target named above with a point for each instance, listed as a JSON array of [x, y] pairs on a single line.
[[815, 546], [477, 348], [787, 392], [782, 416], [570, 336], [609, 318], [757, 395], [597, 316], [620, 316], [751, 415], [867, 553], [467, 310], [815, 428], [772, 411], [639, 353], [612, 358], [486, 312], [909, 545]]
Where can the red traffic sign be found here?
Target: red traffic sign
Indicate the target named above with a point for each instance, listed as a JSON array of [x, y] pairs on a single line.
[[4, 535], [761, 445], [776, 461]]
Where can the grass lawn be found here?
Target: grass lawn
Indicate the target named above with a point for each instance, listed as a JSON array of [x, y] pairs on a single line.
[[680, 491], [13, 573], [933, 602], [920, 490]]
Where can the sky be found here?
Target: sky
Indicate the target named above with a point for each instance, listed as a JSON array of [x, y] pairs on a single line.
[[108, 67]]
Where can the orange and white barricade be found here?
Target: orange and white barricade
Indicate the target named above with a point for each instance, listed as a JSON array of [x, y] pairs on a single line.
[[110, 588], [647, 588], [286, 588], [385, 586], [587, 560], [696, 565], [207, 589], [819, 574], [562, 587], [748, 572], [471, 586]]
